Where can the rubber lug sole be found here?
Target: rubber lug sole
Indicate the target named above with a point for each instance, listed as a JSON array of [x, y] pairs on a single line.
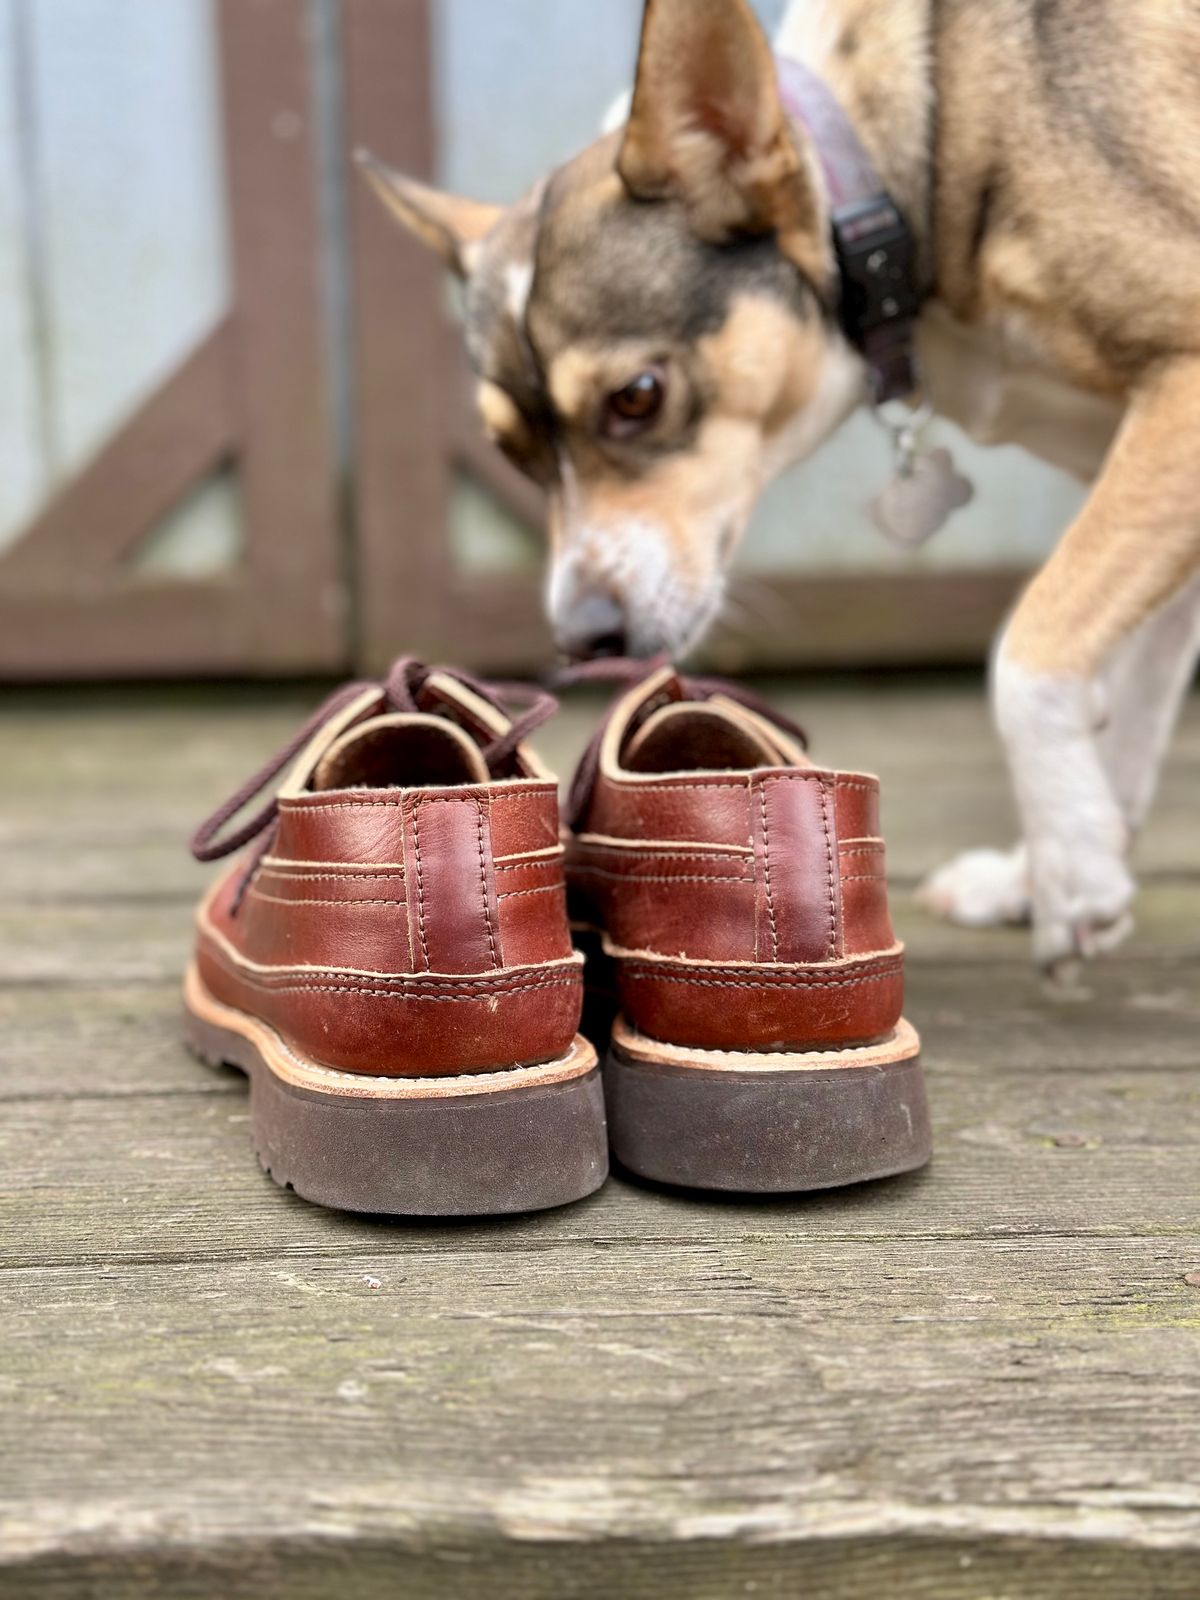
[[766, 1123], [496, 1143]]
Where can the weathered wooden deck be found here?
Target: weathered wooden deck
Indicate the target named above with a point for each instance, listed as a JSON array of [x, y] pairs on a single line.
[[981, 1381]]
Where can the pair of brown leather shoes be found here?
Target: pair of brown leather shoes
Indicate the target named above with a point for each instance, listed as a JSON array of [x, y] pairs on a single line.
[[392, 963]]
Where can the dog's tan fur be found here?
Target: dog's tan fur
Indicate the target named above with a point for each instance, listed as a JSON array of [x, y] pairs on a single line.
[[1047, 154]]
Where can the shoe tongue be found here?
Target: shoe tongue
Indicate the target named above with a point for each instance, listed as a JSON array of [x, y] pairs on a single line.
[[405, 750], [716, 734]]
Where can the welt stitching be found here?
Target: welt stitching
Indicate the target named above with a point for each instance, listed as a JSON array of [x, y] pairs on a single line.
[[483, 886], [860, 849], [554, 863], [416, 812], [515, 894], [762, 798]]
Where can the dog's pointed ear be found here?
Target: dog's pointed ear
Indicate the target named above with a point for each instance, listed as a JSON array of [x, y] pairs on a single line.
[[445, 222], [707, 127]]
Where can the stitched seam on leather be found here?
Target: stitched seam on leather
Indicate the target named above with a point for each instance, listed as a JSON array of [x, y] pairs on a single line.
[[762, 800], [483, 887], [276, 863], [829, 871], [307, 804], [733, 854], [850, 966], [416, 810], [862, 788], [318, 877], [411, 985], [659, 877], [663, 847], [631, 790], [306, 900], [391, 994], [735, 983], [218, 944], [860, 849], [515, 894], [863, 877]]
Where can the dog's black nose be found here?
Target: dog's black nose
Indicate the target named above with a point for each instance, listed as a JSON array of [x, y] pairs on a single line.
[[608, 644], [593, 627]]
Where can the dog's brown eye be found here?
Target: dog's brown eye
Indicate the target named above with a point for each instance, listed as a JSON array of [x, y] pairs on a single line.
[[638, 403]]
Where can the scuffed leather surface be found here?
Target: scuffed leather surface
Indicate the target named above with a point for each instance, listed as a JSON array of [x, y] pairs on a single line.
[[382, 935], [745, 910]]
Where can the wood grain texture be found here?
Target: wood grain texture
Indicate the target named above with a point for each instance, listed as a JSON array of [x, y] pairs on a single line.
[[975, 1383]]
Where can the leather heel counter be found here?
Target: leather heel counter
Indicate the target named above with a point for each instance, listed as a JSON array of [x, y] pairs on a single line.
[[798, 906]]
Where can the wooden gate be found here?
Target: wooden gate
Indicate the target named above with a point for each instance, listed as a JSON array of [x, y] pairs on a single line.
[[251, 397]]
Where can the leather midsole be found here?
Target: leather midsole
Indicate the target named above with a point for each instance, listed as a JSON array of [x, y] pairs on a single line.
[[902, 1045]]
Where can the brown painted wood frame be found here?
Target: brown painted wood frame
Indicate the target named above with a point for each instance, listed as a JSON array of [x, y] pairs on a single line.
[[416, 429], [252, 396]]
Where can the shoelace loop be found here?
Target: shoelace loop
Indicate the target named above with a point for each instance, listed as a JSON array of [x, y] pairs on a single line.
[[401, 691], [627, 674]]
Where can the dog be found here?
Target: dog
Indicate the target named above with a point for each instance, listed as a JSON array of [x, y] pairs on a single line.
[[656, 333]]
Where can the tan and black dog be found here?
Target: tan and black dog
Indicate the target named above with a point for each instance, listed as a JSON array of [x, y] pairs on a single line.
[[655, 333]]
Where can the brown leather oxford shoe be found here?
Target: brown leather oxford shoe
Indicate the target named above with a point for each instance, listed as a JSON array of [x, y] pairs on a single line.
[[391, 964], [732, 900]]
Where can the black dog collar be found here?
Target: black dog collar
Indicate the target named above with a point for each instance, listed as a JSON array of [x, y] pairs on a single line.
[[875, 247]]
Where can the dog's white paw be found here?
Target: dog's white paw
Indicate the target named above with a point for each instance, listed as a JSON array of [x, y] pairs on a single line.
[[1081, 900], [980, 889]]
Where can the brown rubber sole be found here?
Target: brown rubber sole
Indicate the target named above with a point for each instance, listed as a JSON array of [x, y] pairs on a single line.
[[522, 1139], [765, 1123]]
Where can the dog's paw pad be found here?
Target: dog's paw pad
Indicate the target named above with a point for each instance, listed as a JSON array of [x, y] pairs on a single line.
[[979, 889]]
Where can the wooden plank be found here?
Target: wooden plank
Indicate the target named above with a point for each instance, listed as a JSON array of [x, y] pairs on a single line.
[[400, 347], [289, 472], [175, 439], [691, 1566], [1050, 1416], [1105, 1151]]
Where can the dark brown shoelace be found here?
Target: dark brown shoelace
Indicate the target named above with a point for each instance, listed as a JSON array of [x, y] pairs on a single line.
[[627, 674], [401, 691]]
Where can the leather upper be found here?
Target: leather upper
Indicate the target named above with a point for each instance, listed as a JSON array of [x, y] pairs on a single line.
[[740, 890], [398, 925]]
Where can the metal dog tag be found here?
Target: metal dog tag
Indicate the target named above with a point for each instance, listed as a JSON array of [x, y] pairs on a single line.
[[925, 490]]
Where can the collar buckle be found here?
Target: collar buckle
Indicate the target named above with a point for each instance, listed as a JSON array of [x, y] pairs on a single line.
[[877, 258]]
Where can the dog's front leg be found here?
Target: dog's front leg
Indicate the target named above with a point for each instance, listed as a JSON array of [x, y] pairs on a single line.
[[1143, 686], [1133, 549]]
